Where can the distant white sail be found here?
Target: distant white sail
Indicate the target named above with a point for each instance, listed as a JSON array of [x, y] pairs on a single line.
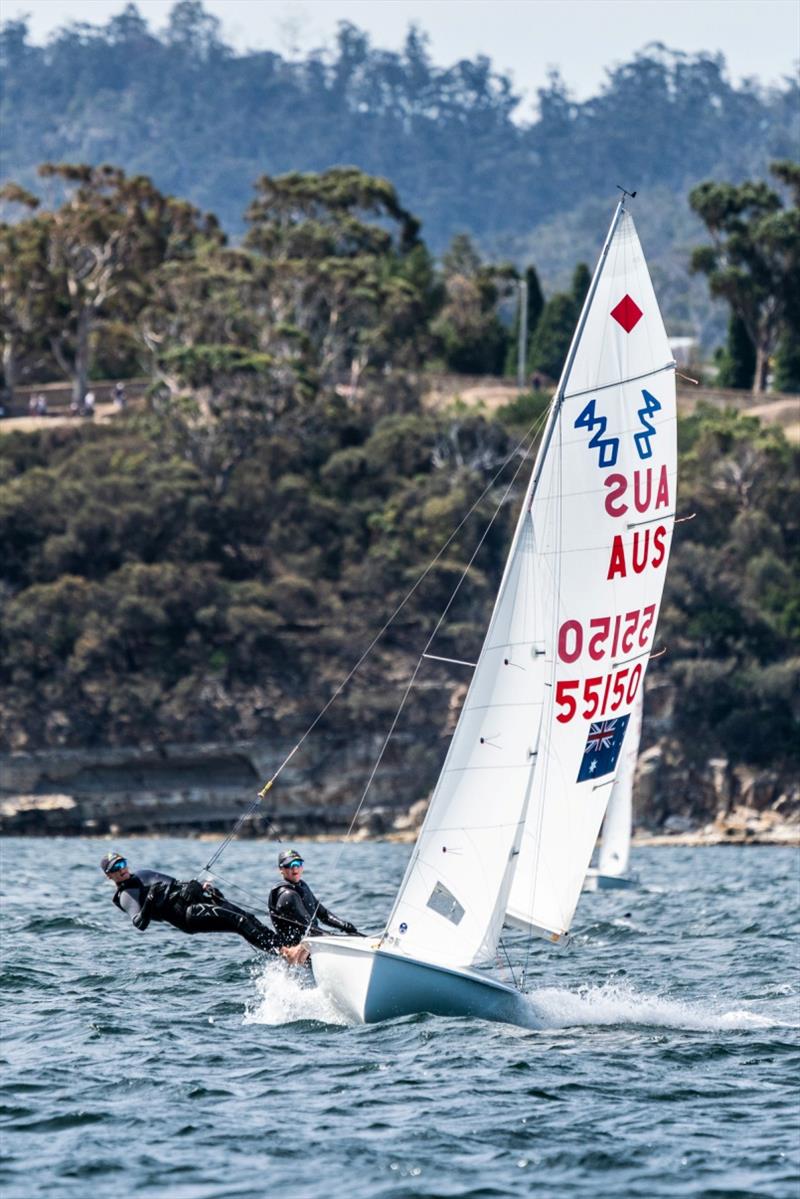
[[615, 845], [603, 513]]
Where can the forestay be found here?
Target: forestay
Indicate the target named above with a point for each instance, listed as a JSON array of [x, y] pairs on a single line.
[[602, 519]]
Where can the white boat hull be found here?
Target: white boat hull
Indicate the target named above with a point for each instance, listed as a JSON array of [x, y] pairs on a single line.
[[369, 984], [595, 881]]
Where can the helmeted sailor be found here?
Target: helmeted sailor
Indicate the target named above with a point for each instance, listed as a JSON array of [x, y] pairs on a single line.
[[192, 907], [295, 910]]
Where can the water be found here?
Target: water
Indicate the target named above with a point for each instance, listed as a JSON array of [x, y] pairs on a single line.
[[661, 1057]]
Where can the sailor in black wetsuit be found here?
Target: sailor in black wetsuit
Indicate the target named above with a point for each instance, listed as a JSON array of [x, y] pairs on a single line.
[[295, 910], [192, 907]]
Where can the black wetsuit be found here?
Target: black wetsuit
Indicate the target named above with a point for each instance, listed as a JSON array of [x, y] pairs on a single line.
[[149, 895], [296, 913]]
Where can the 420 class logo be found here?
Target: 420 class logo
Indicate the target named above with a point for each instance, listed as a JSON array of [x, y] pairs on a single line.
[[608, 447]]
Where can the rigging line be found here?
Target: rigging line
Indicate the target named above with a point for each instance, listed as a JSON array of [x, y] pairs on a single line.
[[238, 887], [502, 945], [530, 434], [428, 644]]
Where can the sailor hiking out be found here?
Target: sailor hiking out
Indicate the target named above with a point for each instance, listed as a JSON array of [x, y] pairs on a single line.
[[295, 910], [191, 907]]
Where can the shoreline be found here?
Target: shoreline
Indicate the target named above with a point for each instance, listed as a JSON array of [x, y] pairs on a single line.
[[786, 837]]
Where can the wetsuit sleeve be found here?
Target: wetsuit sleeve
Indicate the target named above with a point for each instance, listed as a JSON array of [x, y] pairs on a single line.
[[334, 921], [129, 903]]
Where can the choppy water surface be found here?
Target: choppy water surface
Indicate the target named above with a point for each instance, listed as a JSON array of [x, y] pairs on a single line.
[[661, 1058]]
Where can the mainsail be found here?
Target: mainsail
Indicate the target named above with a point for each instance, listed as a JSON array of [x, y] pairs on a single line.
[[517, 808]]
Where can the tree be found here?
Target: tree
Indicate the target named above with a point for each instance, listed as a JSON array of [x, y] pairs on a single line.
[[101, 247], [787, 362], [737, 360], [754, 259], [26, 298], [553, 335], [344, 271], [469, 331]]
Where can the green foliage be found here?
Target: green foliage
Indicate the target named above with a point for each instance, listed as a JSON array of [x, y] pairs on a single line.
[[184, 578], [737, 361], [787, 362], [525, 411], [152, 566], [451, 138], [731, 609], [471, 338], [753, 261], [553, 335]]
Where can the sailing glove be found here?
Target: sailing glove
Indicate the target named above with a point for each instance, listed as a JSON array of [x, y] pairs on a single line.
[[351, 930]]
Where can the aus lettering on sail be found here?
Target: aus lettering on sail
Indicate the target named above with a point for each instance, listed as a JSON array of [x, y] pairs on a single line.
[[642, 491]]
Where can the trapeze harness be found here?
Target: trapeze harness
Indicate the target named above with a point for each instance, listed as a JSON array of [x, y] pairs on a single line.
[[189, 907], [296, 913]]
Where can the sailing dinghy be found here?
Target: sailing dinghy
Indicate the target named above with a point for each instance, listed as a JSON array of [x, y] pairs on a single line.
[[518, 805], [611, 872]]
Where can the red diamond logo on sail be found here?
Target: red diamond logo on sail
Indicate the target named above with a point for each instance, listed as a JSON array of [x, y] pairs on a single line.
[[627, 313]]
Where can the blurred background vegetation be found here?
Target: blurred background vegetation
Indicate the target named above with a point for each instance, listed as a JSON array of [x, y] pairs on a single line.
[[211, 562]]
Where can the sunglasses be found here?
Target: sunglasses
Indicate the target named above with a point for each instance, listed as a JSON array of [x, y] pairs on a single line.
[[291, 865], [120, 865]]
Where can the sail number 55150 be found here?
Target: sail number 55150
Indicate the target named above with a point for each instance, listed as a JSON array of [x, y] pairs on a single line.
[[603, 636], [599, 695]]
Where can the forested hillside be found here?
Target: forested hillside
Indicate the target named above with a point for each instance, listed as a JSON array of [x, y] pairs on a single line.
[[204, 122]]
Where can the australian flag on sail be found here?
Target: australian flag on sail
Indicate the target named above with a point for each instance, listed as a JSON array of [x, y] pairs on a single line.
[[603, 747]]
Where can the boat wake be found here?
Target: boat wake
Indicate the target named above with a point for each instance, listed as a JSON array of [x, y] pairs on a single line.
[[286, 996], [620, 1004]]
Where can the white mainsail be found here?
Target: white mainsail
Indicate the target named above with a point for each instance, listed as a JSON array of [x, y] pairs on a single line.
[[603, 514], [615, 846]]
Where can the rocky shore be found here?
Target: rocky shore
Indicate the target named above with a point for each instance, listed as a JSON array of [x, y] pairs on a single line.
[[203, 789]]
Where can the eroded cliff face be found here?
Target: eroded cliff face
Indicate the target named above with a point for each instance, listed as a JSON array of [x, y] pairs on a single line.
[[197, 789], [206, 788]]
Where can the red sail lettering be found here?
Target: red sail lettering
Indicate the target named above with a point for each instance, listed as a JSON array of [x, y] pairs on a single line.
[[658, 544], [617, 564], [642, 501], [640, 560], [618, 485], [662, 495]]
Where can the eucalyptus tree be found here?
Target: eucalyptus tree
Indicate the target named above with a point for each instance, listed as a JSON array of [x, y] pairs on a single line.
[[26, 296], [753, 261], [345, 273], [97, 253], [470, 333]]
